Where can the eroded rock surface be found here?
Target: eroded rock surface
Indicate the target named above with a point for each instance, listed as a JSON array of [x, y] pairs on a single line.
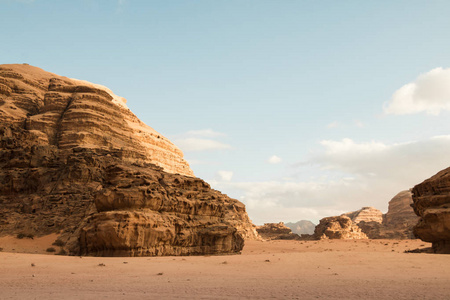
[[339, 227], [432, 204], [74, 160], [365, 214], [276, 231]]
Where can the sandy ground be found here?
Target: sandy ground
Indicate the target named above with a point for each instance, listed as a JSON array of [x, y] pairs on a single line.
[[332, 269]]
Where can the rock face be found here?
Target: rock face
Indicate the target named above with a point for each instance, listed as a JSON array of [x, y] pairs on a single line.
[[339, 227], [400, 218], [70, 113], [365, 214], [276, 231], [302, 227], [74, 160], [432, 204]]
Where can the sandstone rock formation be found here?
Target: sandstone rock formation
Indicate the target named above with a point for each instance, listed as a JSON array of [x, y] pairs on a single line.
[[339, 227], [74, 160], [276, 231], [397, 223], [432, 203], [400, 218], [365, 214], [302, 227]]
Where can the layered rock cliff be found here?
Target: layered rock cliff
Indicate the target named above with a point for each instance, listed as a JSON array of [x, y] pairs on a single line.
[[76, 161], [365, 214], [432, 204]]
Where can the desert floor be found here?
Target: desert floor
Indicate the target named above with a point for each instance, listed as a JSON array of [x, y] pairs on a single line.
[[329, 269]]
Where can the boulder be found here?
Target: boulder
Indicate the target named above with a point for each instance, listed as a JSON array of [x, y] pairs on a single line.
[[339, 227], [276, 231]]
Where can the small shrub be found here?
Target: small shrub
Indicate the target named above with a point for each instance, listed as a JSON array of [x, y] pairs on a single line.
[[58, 243], [51, 249], [20, 236], [30, 236], [1, 249]]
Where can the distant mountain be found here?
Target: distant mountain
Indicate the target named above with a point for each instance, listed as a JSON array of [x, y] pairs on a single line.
[[302, 227]]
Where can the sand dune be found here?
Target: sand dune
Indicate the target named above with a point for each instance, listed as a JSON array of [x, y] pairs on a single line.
[[330, 269]]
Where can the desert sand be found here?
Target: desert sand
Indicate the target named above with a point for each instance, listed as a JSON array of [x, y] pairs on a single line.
[[327, 269]]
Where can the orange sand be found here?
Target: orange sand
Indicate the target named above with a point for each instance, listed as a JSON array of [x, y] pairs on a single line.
[[332, 269]]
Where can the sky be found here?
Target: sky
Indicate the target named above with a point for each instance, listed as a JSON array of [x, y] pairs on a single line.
[[299, 109]]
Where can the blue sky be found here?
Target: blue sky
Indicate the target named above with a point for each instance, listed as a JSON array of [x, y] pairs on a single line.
[[300, 109]]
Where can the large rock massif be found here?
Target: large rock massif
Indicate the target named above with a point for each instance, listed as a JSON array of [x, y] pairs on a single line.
[[76, 161], [432, 203], [397, 223]]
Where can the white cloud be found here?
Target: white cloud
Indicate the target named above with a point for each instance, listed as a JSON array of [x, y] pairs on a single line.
[[200, 140], [225, 175], [429, 93], [204, 133], [359, 124], [333, 125], [274, 160], [402, 161], [197, 144]]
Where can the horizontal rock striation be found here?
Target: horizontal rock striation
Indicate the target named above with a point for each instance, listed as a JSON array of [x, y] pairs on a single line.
[[432, 204], [365, 214], [75, 161], [71, 113]]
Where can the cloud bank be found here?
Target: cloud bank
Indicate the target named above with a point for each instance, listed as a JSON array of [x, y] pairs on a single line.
[[356, 175], [429, 93]]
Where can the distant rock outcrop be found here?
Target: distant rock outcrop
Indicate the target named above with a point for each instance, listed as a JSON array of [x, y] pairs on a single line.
[[365, 214], [74, 160], [432, 204], [276, 231], [397, 223], [400, 218], [302, 227], [339, 227]]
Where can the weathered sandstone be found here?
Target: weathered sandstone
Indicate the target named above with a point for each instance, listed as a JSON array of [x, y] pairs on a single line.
[[74, 160], [339, 227], [276, 231], [365, 214], [432, 204]]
